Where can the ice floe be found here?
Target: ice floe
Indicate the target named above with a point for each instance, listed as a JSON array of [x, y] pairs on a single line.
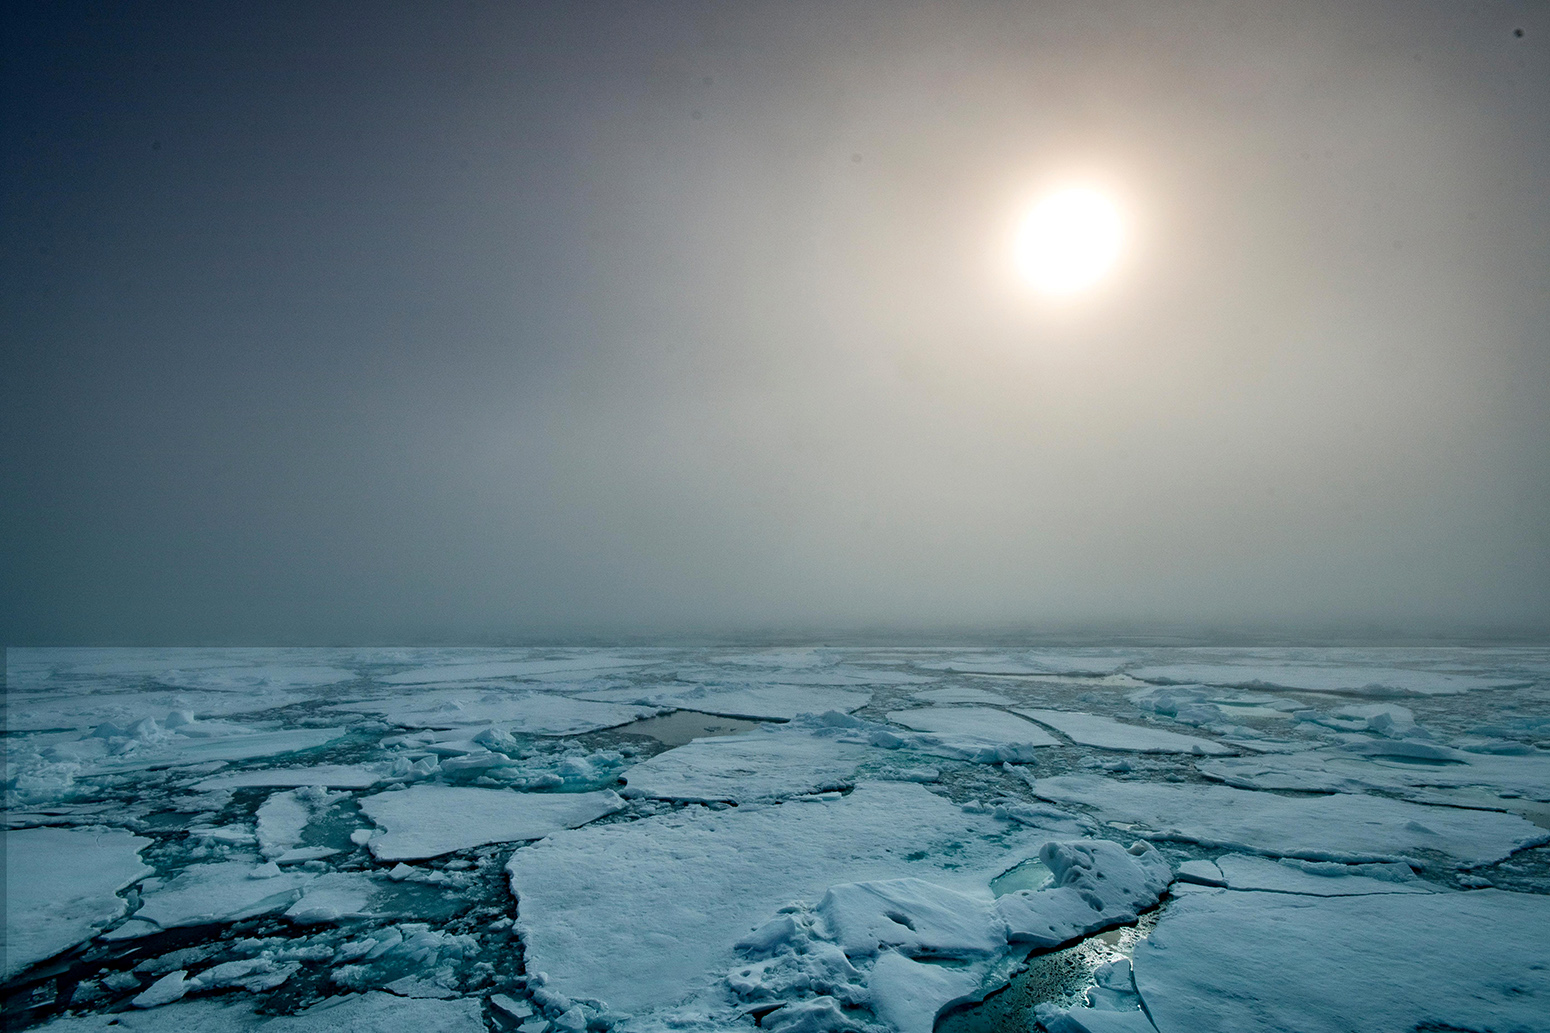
[[1108, 734], [520, 711], [765, 764], [1346, 679], [206, 894], [1340, 827], [1384, 963], [642, 915], [771, 702], [61, 886], [980, 734], [431, 820]]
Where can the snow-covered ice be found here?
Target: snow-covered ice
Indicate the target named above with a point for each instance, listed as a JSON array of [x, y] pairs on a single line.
[[1340, 827], [61, 886], [1382, 963], [1108, 734], [431, 820], [219, 839], [976, 733], [765, 764]]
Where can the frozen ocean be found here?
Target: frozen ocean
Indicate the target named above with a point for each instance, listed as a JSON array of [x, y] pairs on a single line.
[[878, 840]]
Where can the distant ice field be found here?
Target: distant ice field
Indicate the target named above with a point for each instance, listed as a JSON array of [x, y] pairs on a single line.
[[799, 839]]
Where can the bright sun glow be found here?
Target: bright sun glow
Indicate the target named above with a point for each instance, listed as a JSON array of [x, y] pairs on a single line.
[[1071, 240]]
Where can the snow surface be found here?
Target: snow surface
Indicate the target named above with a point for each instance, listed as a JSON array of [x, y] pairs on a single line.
[[431, 820], [518, 711], [1380, 963], [642, 915], [977, 733], [766, 764], [1342, 827], [61, 886], [1109, 734]]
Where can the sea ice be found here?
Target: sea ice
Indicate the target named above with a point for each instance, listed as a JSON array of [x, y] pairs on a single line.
[[644, 914], [769, 702], [204, 894], [764, 764], [1348, 679], [980, 734], [431, 820], [963, 694], [374, 1012], [522, 712], [332, 776], [1316, 878], [1342, 827], [61, 886], [1330, 770], [1382, 963], [1105, 733]]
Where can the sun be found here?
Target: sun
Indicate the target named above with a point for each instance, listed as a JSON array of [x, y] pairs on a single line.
[[1070, 241]]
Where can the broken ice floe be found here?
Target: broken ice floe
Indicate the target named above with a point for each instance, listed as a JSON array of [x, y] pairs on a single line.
[[1447, 960], [1105, 733], [61, 886], [431, 820], [1341, 827], [980, 734]]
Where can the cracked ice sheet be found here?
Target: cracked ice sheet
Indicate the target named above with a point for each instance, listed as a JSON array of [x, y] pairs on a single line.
[[982, 734], [755, 702], [520, 711], [431, 820], [763, 764], [1105, 733], [1350, 679], [61, 886], [1385, 964], [1329, 770], [372, 1012], [643, 915], [1343, 827], [181, 751]]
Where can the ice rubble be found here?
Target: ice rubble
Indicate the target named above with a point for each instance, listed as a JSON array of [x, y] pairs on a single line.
[[981, 734], [61, 886], [876, 943], [1384, 963], [1342, 827], [1105, 733], [355, 1013], [431, 820], [764, 764]]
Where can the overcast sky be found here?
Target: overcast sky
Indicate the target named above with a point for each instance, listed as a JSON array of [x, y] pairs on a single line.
[[465, 322]]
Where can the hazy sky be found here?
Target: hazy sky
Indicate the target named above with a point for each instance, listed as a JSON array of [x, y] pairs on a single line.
[[388, 322]]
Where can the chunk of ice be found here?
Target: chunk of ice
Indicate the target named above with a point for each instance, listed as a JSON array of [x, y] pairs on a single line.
[[431, 820], [61, 886]]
